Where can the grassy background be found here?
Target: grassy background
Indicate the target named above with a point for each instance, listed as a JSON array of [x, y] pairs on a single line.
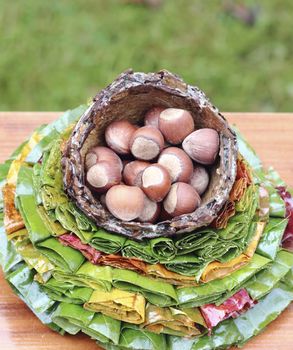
[[56, 54]]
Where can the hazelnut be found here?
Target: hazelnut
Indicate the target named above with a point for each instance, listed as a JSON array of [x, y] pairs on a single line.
[[146, 143], [125, 202], [133, 171], [175, 124], [100, 154], [102, 176], [202, 145], [178, 164], [182, 199], [118, 135], [199, 179], [156, 182], [151, 211], [152, 116]]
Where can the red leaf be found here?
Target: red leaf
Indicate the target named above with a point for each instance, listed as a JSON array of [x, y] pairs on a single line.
[[232, 307], [287, 240], [73, 241]]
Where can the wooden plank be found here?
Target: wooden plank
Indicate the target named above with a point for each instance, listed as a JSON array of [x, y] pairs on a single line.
[[271, 134]]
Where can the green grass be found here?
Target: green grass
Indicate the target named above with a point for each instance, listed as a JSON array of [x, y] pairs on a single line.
[[56, 54]]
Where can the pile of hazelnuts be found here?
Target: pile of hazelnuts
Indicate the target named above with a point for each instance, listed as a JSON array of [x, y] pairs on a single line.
[[154, 172]]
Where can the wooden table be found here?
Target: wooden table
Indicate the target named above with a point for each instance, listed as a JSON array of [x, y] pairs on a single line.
[[272, 137]]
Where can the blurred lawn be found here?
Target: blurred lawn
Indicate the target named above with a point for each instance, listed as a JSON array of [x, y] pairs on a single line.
[[56, 54]]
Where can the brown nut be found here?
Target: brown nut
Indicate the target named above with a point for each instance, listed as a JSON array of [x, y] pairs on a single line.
[[100, 154], [125, 202], [146, 143], [199, 179], [151, 211], [178, 164], [181, 199], [175, 124], [102, 176], [156, 182], [152, 116], [118, 135], [202, 145], [133, 171]]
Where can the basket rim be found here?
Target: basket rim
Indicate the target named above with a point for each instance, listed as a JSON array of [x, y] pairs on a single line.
[[73, 170]]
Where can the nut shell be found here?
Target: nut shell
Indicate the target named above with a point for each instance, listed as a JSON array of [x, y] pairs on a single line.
[[100, 154], [132, 172], [202, 145], [140, 92], [103, 176], [175, 124], [125, 202], [152, 117], [151, 211], [155, 182], [199, 179], [146, 143], [178, 164], [118, 135], [182, 199]]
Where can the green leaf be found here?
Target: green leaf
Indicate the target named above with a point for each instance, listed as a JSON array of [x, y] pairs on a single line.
[[163, 248], [273, 176], [156, 292], [218, 291], [288, 279], [25, 185], [52, 131], [256, 319], [264, 281], [66, 292], [36, 153], [175, 343], [70, 117], [188, 265], [23, 280], [107, 242], [196, 240], [52, 225], [238, 331], [33, 222], [75, 318], [72, 220], [103, 328], [223, 336], [140, 250], [248, 152], [172, 321], [277, 205], [135, 338], [28, 208], [9, 258], [60, 210], [270, 241], [37, 301], [18, 150], [65, 258], [88, 275], [33, 257]]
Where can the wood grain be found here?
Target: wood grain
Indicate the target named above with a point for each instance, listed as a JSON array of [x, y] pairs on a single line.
[[272, 137]]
